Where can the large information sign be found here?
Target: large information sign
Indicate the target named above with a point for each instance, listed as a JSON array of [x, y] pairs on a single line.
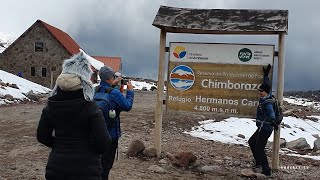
[[220, 78]]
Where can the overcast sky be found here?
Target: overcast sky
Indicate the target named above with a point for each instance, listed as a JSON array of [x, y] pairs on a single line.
[[124, 28]]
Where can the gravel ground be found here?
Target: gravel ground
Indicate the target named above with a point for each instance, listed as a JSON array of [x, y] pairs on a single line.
[[22, 157]]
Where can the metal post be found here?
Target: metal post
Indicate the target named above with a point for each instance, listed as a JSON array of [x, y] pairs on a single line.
[[280, 84], [158, 110]]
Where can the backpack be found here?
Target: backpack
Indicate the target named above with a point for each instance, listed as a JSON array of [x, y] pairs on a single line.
[[277, 110], [102, 100]]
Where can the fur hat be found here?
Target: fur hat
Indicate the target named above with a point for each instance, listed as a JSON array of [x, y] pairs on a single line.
[[79, 67], [106, 73], [69, 82], [265, 87]]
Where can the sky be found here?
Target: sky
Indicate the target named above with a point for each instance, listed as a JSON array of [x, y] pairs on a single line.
[[124, 28]]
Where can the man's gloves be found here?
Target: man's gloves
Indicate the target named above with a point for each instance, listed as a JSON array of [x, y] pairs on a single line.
[[266, 70]]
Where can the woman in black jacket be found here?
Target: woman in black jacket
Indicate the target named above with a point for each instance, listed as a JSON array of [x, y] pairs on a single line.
[[73, 126]]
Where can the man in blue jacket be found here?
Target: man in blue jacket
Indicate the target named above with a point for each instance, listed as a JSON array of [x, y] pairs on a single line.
[[119, 103], [265, 123]]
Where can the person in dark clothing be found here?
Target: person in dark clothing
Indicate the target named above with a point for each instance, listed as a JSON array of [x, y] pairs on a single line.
[[119, 103], [72, 125], [265, 123]]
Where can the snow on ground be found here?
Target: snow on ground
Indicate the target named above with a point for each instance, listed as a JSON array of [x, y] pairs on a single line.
[[24, 87], [5, 40], [302, 102], [139, 85], [227, 131]]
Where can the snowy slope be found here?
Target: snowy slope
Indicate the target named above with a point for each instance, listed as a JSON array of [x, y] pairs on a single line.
[[302, 102], [24, 87]]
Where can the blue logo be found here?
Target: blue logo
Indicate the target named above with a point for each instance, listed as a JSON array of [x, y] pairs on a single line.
[[182, 77]]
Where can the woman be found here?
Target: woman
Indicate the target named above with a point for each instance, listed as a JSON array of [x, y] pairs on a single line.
[[73, 126]]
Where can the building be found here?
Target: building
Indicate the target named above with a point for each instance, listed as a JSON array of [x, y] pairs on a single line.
[[38, 54]]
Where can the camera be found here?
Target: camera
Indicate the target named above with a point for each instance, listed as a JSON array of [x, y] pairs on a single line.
[[124, 81]]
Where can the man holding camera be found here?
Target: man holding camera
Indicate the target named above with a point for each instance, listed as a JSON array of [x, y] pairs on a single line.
[[118, 102]]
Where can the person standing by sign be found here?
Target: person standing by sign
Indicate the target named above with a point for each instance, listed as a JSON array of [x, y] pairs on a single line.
[[118, 103], [265, 121]]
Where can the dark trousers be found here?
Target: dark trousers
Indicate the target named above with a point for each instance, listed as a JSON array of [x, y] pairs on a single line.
[[107, 159], [50, 176], [257, 143]]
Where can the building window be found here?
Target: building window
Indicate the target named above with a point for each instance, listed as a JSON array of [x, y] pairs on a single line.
[[38, 46], [33, 71], [44, 72]]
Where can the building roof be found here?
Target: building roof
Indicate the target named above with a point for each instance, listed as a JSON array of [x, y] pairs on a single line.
[[221, 21], [113, 62], [66, 41]]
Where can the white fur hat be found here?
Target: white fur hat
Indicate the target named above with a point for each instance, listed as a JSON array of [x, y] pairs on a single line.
[[80, 66]]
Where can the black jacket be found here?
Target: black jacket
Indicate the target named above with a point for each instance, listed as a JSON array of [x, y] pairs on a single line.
[[76, 131]]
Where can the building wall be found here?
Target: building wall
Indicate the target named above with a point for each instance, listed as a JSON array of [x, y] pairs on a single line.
[[21, 56]]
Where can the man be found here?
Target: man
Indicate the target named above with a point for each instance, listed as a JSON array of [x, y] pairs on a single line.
[[118, 102], [265, 123]]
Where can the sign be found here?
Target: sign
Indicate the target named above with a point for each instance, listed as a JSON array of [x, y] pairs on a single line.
[[219, 78]]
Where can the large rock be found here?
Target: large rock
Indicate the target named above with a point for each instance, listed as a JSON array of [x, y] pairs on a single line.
[[150, 152], [32, 96], [247, 173], [135, 147], [316, 146], [9, 97], [183, 159], [208, 169], [157, 169], [298, 144]]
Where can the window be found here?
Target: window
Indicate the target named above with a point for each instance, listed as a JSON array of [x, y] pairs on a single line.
[[44, 72], [38, 46], [33, 71]]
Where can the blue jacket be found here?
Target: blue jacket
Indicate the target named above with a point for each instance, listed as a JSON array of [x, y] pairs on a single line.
[[265, 112], [119, 103]]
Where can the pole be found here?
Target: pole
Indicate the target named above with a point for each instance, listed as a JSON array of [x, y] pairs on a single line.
[[158, 110], [276, 137]]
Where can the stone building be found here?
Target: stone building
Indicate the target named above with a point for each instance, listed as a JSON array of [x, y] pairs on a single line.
[[38, 54]]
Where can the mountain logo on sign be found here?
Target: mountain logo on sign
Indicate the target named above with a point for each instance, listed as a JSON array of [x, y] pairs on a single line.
[[182, 77], [179, 52]]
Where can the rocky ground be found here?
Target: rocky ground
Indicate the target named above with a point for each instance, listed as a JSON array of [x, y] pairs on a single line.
[[22, 157]]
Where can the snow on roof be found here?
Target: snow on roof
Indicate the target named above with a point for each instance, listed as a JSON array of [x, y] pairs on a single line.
[[95, 63]]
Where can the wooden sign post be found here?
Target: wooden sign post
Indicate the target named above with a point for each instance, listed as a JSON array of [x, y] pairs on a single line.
[[219, 21]]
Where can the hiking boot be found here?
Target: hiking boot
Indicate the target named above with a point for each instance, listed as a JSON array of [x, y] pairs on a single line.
[[268, 174], [257, 168]]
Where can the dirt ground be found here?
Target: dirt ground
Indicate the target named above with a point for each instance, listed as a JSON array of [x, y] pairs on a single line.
[[22, 157]]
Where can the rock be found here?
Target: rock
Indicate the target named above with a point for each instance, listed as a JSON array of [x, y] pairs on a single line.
[[315, 135], [227, 158], [157, 169], [299, 144], [316, 144], [247, 173], [283, 143], [195, 164], [219, 161], [300, 161], [9, 97], [163, 161], [302, 129], [241, 136], [236, 163], [286, 125], [150, 152], [135, 147], [32, 96], [14, 86], [183, 159], [207, 169], [260, 176]]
